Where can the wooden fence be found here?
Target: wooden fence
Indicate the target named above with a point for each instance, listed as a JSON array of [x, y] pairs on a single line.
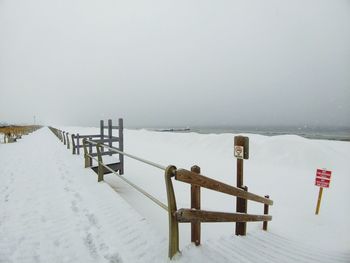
[[196, 180], [13, 133], [76, 140]]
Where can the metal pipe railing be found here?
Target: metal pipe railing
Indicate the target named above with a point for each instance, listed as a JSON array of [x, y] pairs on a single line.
[[162, 167], [139, 189]]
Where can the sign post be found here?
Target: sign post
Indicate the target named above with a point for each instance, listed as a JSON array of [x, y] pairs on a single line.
[[323, 179], [241, 151]]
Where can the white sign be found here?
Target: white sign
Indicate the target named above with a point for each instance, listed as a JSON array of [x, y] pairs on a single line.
[[239, 152]]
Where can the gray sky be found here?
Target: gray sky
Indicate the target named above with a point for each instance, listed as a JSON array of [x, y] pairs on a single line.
[[175, 63]]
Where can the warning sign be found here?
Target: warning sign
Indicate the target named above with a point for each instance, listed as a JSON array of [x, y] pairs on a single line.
[[239, 152], [323, 178]]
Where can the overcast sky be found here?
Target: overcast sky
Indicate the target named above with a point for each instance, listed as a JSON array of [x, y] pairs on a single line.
[[175, 63]]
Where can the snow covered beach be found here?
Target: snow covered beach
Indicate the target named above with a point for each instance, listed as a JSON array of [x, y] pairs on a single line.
[[53, 210]]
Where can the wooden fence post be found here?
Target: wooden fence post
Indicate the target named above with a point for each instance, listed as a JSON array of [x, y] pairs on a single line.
[[90, 151], [78, 144], [86, 158], [173, 223], [110, 134], [240, 201], [68, 144], [266, 212], [121, 144], [64, 138], [73, 144], [102, 130], [100, 167], [243, 204], [241, 150], [196, 204]]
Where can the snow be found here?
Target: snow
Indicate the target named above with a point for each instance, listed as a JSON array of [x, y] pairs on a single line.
[[53, 210]]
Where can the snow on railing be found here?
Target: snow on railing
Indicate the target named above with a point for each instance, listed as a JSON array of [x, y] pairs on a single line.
[[195, 215]]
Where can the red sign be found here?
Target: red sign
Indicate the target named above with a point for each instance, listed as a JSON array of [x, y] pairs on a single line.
[[323, 178], [323, 173]]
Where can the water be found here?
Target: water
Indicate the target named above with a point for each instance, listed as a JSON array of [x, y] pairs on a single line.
[[325, 133]]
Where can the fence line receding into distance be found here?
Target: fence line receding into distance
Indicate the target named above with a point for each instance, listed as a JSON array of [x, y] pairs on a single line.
[[14, 132], [193, 177]]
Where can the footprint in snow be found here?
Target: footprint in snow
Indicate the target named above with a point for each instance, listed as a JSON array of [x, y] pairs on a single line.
[[74, 207], [57, 243], [114, 258], [77, 196], [92, 219], [90, 244]]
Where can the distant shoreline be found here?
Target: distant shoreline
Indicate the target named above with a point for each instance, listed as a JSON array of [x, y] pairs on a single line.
[[343, 134]]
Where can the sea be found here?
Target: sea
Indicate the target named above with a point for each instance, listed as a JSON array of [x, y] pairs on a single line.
[[323, 133]]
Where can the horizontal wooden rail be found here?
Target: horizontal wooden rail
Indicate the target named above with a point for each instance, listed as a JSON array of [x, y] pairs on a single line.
[[112, 139], [191, 215], [96, 141], [102, 154], [206, 182], [88, 136], [112, 127]]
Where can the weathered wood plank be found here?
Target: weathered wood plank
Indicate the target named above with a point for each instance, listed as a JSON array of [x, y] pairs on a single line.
[[206, 182], [102, 132], [196, 204], [73, 144], [266, 212], [173, 223], [113, 139], [103, 153], [241, 207], [189, 215], [121, 143], [89, 136], [110, 143], [78, 144]]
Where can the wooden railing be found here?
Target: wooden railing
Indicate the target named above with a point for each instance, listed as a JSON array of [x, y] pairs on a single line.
[[196, 216], [196, 180], [13, 133], [76, 140]]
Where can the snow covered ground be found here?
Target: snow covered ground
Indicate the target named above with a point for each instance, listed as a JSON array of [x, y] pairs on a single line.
[[53, 210]]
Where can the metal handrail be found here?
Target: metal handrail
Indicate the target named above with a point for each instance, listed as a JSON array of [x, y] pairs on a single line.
[[162, 167], [162, 205], [137, 188]]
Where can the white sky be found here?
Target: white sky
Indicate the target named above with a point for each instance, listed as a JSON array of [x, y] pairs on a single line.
[[175, 63]]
